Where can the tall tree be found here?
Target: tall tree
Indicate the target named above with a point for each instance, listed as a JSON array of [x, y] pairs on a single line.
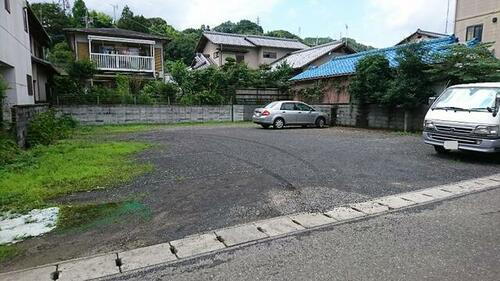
[[372, 78], [80, 13], [463, 64], [248, 27], [100, 19], [53, 19], [131, 22], [283, 34], [411, 85], [226, 27]]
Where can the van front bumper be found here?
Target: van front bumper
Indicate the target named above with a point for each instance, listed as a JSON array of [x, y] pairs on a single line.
[[482, 145]]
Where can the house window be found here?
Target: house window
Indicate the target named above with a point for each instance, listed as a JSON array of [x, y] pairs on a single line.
[[25, 20], [7, 5], [270, 55], [29, 83], [474, 31], [240, 58]]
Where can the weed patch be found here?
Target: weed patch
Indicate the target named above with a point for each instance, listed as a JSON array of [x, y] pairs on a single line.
[[7, 252], [82, 217], [69, 166]]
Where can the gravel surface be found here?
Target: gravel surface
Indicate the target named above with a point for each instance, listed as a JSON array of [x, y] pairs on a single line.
[[451, 240], [212, 177]]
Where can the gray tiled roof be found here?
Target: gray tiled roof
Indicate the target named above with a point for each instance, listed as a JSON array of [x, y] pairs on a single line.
[[253, 40], [227, 39], [299, 59], [115, 32]]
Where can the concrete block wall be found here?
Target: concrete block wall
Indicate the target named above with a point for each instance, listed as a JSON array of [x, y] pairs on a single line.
[[130, 114], [380, 117], [21, 116]]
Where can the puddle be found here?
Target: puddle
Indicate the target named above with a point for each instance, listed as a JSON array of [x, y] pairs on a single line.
[[16, 228]]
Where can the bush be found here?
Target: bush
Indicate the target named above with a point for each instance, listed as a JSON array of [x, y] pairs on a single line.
[[160, 91], [47, 128], [9, 150]]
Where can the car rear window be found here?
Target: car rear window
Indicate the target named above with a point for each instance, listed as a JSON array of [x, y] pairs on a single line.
[[271, 105], [288, 106]]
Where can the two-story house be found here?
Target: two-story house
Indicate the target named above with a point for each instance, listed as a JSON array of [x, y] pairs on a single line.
[[254, 50], [478, 19], [22, 55], [119, 51]]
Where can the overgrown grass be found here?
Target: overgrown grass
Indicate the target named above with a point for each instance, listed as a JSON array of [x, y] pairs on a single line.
[[7, 252], [82, 217], [45, 172]]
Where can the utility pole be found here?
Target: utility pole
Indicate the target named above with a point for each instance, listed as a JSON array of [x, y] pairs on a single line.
[[447, 17], [115, 7]]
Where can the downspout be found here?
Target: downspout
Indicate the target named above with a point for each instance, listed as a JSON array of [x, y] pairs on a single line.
[[220, 55]]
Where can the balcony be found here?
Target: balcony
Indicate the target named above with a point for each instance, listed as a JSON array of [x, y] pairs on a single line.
[[115, 62]]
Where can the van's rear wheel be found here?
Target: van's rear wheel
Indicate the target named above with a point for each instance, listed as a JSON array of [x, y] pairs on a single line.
[[440, 149]]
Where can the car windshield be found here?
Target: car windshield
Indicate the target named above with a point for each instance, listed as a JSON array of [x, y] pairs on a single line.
[[271, 105], [467, 98]]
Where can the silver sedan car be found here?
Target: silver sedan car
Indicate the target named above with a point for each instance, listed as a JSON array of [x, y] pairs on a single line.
[[283, 113]]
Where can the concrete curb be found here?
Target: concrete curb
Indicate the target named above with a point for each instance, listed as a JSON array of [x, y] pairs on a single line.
[[246, 234]]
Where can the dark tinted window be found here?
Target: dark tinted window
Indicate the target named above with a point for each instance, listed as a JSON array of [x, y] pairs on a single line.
[[475, 31], [288, 106], [29, 83], [303, 107]]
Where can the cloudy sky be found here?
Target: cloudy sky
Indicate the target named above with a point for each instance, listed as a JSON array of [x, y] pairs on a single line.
[[379, 23]]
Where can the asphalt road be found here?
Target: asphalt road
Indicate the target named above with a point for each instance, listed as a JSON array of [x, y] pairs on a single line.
[[212, 177], [452, 240]]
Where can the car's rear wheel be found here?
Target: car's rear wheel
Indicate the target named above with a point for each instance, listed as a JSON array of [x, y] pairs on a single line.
[[265, 126], [279, 123], [440, 149], [320, 122]]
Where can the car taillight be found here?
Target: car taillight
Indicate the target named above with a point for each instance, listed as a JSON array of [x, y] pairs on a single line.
[[265, 113]]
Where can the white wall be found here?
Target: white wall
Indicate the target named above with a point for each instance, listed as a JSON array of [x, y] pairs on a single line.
[[15, 54]]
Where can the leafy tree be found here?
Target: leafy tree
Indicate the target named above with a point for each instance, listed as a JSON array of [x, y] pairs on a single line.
[[160, 27], [242, 27], [100, 20], [462, 64], [81, 70], [79, 13], [283, 34], [358, 47], [226, 27], [53, 19], [61, 55], [248, 27], [411, 85], [372, 78], [182, 47], [131, 22]]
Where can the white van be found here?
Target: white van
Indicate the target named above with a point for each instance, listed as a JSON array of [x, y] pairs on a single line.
[[465, 117]]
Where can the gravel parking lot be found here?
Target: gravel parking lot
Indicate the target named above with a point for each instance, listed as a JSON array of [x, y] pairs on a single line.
[[211, 177]]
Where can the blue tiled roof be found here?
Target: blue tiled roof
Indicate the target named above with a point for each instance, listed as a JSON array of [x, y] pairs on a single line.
[[346, 65]]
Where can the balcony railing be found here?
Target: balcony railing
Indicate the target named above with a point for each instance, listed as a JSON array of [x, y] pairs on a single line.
[[122, 62]]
